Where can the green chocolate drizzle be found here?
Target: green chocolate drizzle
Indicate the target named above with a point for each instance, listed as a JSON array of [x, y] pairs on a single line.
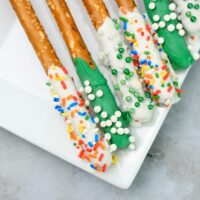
[[174, 45], [106, 102]]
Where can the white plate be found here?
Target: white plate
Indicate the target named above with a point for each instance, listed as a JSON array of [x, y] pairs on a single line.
[[25, 103]]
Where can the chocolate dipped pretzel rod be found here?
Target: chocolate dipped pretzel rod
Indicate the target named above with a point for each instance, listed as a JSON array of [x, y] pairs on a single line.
[[170, 32], [110, 118], [156, 72], [189, 14], [81, 127], [115, 56]]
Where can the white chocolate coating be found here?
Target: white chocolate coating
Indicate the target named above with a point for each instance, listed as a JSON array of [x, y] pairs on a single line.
[[192, 28], [83, 132], [144, 46], [112, 42]]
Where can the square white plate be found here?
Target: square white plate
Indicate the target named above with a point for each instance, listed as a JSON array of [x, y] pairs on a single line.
[[25, 102]]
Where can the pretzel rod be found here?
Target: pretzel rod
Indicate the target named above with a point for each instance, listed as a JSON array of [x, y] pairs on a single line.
[[123, 75], [156, 72], [97, 11], [80, 125], [170, 32], [127, 4], [112, 121], [189, 14]]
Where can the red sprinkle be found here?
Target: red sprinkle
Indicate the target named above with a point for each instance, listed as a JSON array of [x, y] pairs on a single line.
[[63, 85]]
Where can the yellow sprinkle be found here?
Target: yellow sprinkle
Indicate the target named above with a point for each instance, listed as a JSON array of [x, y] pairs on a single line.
[[53, 67], [132, 21], [114, 159], [64, 114]]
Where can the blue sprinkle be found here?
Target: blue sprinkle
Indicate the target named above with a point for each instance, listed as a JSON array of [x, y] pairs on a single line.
[[143, 61], [151, 87], [134, 52], [92, 119], [83, 136], [56, 99], [125, 26], [96, 137], [156, 65], [144, 16], [57, 107], [74, 104], [131, 44], [160, 49], [61, 110], [68, 108], [82, 113], [92, 166], [90, 144], [149, 62]]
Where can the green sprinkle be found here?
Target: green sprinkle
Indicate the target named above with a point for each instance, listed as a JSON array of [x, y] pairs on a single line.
[[118, 26], [150, 107], [137, 104], [168, 84], [131, 74], [175, 83], [147, 52], [188, 14], [196, 6], [127, 33], [157, 75], [114, 20], [193, 19], [117, 87], [126, 71], [131, 110], [121, 50], [87, 117], [119, 56], [114, 72], [190, 5], [123, 82], [48, 84], [140, 99], [129, 98], [133, 36], [147, 94], [128, 59], [123, 19]]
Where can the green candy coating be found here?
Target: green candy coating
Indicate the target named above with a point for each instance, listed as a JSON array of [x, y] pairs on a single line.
[[175, 45], [106, 102]]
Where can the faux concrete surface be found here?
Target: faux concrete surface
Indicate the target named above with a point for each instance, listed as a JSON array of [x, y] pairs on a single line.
[[170, 171]]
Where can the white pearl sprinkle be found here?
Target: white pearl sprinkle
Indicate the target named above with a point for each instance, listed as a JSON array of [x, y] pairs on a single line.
[[181, 32], [156, 18], [86, 83], [196, 56], [118, 114], [167, 18], [131, 139], [171, 28], [108, 123], [131, 146], [113, 130], [88, 89], [161, 40], [113, 147], [103, 124], [161, 24], [173, 15], [120, 131], [87, 103], [179, 26], [114, 118], [107, 136], [152, 6], [99, 93], [155, 26], [172, 6], [91, 97], [118, 124], [96, 120], [97, 109], [104, 114], [126, 131]]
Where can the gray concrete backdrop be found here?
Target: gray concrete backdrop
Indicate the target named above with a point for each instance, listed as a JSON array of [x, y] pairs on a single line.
[[171, 171]]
